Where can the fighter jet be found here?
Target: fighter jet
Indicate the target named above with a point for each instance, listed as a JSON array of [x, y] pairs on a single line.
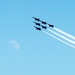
[[51, 25], [37, 28], [37, 19], [44, 27], [37, 23], [43, 22]]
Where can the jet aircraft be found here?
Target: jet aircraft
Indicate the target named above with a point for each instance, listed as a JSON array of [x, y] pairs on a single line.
[[44, 27], [37, 19], [51, 25], [43, 22], [37, 28], [37, 23]]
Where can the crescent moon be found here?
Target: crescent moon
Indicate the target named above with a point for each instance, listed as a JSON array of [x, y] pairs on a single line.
[[14, 44]]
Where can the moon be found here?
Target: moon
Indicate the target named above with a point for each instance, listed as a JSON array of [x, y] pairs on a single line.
[[14, 44]]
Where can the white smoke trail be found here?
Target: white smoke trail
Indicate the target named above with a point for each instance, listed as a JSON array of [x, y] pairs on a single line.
[[62, 32], [59, 39], [62, 36]]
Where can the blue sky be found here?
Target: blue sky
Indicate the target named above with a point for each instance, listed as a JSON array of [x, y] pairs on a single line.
[[38, 54]]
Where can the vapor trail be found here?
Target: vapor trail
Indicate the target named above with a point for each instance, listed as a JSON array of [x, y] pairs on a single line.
[[62, 32], [62, 36], [59, 39]]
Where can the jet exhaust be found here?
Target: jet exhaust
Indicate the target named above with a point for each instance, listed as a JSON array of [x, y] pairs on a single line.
[[62, 32], [59, 39], [62, 36]]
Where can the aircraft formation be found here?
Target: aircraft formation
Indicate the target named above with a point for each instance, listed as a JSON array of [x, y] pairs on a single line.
[[41, 24], [57, 33]]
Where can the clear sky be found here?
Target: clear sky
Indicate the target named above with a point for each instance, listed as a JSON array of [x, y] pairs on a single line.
[[35, 53]]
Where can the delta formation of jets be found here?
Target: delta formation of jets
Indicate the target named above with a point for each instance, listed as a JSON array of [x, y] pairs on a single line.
[[39, 22]]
